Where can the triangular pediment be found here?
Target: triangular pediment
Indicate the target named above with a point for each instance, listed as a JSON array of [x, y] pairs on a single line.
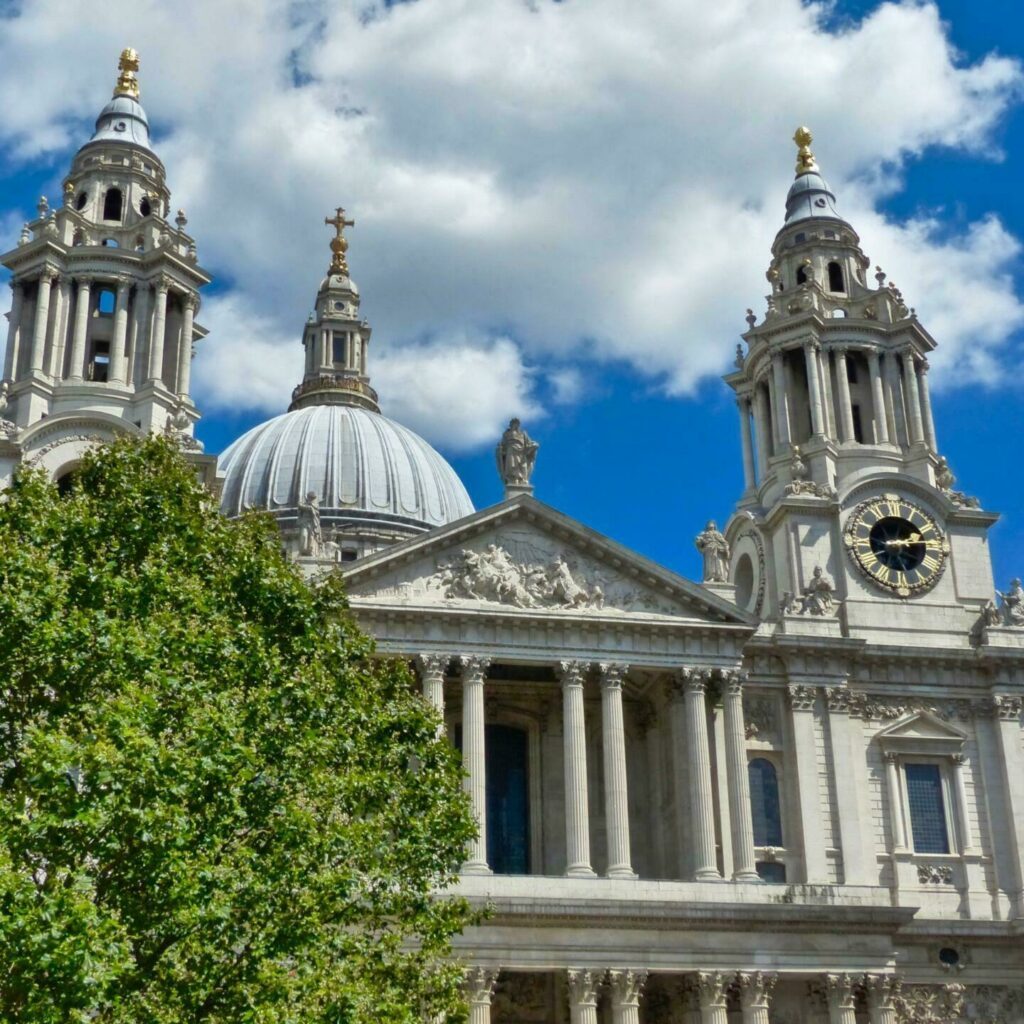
[[523, 557], [922, 732]]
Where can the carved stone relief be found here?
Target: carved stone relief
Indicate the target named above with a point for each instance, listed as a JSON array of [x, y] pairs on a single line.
[[935, 874], [929, 1004], [760, 714]]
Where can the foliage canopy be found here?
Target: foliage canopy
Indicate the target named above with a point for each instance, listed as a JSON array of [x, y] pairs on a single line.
[[215, 805]]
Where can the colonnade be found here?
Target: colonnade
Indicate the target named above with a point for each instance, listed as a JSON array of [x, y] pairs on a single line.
[[320, 350], [707, 995], [689, 730], [61, 317], [897, 391]]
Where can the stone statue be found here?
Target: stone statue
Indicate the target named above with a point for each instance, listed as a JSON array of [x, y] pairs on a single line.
[[818, 594], [516, 453], [1011, 604], [944, 475], [311, 537], [715, 549], [7, 427]]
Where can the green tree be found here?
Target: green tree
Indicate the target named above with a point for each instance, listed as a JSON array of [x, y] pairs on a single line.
[[215, 803]]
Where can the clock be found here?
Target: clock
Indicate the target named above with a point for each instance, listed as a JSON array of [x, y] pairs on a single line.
[[896, 545]]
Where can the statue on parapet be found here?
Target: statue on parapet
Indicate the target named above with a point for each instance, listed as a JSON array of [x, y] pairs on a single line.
[[1011, 604], [711, 543], [311, 536], [516, 454]]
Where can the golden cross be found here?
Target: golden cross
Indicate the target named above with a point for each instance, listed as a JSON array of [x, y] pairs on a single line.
[[338, 221]]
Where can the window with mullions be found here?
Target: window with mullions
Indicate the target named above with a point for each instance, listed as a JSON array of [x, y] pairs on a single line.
[[927, 808], [764, 802]]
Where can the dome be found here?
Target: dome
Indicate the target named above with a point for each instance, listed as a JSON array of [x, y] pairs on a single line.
[[122, 120], [810, 196], [366, 470]]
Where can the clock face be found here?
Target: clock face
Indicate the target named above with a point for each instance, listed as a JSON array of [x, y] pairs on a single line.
[[897, 545]]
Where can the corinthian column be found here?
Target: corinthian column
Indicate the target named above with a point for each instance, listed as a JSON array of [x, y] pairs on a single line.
[[583, 987], [880, 989], [743, 405], [77, 368], [755, 995], [877, 398], [845, 405], [14, 330], [616, 795], [744, 869], [38, 350], [711, 988], [840, 999], [184, 381], [577, 810], [764, 430], [479, 990], [156, 341], [141, 324], [913, 398], [474, 671], [702, 808], [432, 668], [626, 988], [117, 349], [926, 404], [781, 400], [811, 350]]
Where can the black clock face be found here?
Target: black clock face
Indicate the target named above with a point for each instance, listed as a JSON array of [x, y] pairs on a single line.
[[897, 545]]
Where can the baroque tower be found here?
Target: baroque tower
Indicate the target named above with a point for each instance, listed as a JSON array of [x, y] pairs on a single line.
[[844, 484], [106, 289]]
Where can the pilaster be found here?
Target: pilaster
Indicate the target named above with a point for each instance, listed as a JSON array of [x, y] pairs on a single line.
[[801, 706]]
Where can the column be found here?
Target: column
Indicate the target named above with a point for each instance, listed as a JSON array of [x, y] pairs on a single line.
[[77, 368], [881, 427], [474, 671], [577, 809], [849, 797], [117, 349], [781, 399], [743, 404], [156, 341], [755, 995], [826, 390], [626, 988], [1007, 714], [139, 347], [189, 306], [616, 794], [914, 424], [702, 809], [325, 350], [926, 404], [744, 869], [801, 706], [840, 999], [14, 329], [583, 988], [764, 431], [892, 785], [898, 427], [880, 991], [811, 350], [55, 363], [845, 405], [711, 989], [432, 668], [963, 820], [479, 990], [42, 321]]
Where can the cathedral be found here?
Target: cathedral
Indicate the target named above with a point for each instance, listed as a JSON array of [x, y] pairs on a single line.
[[790, 792]]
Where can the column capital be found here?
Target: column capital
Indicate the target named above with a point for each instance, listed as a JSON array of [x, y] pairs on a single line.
[[838, 699], [612, 675], [84, 280], [431, 664], [191, 302], [161, 284], [474, 667], [923, 365], [881, 990], [840, 350], [734, 681], [124, 282], [812, 344], [711, 988], [572, 673], [692, 680], [756, 988], [480, 983], [1006, 707], [627, 986], [48, 274], [840, 991], [583, 985], [960, 759], [890, 758], [801, 698]]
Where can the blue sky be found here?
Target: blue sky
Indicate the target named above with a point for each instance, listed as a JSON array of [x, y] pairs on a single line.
[[563, 212]]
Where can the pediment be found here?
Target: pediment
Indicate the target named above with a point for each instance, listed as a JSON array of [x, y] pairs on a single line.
[[921, 733], [522, 557]]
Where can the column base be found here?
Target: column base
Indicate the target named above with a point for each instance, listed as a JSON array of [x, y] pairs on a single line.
[[707, 875], [747, 876], [580, 871], [621, 872], [476, 867]]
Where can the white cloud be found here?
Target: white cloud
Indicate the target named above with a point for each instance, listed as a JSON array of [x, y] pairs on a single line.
[[595, 180]]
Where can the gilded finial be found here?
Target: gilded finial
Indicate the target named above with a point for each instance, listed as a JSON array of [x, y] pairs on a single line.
[[127, 83], [339, 243], [805, 162]]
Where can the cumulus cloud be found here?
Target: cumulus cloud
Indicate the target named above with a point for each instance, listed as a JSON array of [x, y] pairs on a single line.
[[533, 183]]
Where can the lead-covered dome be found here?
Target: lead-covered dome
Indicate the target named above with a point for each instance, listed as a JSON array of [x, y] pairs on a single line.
[[368, 472]]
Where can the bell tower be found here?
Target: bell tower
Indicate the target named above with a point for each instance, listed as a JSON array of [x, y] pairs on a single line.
[[842, 472], [105, 293]]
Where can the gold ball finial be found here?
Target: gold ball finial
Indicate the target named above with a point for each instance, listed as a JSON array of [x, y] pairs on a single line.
[[805, 162], [128, 65], [339, 243]]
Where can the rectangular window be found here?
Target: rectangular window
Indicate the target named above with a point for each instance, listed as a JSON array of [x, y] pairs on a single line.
[[927, 808], [338, 347], [858, 427]]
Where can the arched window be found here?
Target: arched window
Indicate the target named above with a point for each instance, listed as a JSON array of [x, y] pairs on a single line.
[[835, 278], [80, 202], [764, 802], [105, 302], [112, 204], [801, 275], [66, 481], [144, 207]]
